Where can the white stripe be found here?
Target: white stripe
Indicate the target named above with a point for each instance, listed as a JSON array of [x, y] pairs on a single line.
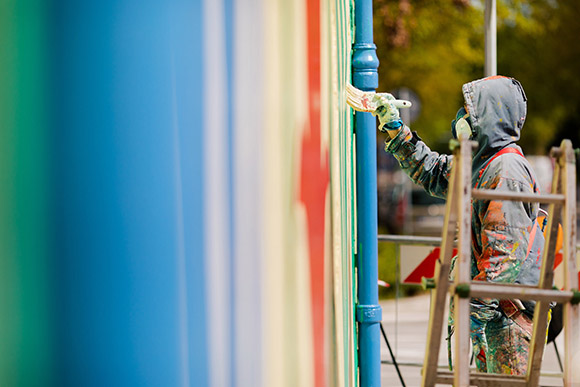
[[217, 238], [248, 126]]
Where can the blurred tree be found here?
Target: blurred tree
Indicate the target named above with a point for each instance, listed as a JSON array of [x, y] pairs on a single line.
[[433, 47], [538, 44]]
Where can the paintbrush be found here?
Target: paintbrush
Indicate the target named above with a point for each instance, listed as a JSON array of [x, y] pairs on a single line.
[[363, 101]]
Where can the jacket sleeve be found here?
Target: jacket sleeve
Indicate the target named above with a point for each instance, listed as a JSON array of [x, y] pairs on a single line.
[[425, 167]]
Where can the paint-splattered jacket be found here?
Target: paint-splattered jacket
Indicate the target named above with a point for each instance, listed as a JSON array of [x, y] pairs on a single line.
[[500, 229]]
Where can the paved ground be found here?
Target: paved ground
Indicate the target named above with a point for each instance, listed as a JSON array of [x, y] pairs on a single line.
[[405, 322]]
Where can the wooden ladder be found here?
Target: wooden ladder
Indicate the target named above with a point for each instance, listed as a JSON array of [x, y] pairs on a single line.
[[562, 209]]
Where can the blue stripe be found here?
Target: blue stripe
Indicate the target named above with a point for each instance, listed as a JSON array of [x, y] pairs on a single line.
[[125, 77], [187, 46]]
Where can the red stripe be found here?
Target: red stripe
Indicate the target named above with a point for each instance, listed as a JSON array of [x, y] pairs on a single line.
[[314, 181]]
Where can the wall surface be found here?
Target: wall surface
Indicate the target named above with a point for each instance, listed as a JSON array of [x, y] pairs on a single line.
[[176, 193]]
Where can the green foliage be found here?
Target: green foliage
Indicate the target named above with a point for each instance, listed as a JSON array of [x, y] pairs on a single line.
[[387, 268], [433, 47], [539, 46], [388, 255]]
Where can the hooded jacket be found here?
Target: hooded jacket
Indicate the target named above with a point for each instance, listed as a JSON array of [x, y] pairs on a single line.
[[501, 230]]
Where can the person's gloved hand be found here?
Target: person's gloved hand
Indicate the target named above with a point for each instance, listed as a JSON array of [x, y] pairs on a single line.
[[388, 114]]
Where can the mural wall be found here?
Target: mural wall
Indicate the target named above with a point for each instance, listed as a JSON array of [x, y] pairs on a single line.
[[176, 193]]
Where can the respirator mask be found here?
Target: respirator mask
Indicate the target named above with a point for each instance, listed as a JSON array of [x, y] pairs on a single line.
[[461, 124]]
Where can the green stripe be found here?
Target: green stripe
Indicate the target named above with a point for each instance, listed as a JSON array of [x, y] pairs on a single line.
[[24, 267], [344, 26]]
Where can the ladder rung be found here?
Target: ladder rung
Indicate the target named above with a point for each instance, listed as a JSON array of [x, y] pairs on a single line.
[[480, 379], [488, 194], [522, 292]]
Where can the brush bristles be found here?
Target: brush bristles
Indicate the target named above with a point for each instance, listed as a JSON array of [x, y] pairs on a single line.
[[360, 100], [363, 101]]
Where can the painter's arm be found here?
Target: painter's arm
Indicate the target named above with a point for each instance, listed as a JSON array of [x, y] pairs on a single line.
[[425, 167]]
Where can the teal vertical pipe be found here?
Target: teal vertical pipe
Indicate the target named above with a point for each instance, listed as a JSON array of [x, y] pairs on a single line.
[[369, 314]]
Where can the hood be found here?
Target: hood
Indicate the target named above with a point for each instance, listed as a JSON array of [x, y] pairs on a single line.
[[497, 107]]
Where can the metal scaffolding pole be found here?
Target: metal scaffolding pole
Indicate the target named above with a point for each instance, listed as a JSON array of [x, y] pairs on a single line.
[[368, 311], [490, 38]]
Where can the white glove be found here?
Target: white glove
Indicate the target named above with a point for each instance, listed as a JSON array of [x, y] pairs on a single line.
[[389, 118]]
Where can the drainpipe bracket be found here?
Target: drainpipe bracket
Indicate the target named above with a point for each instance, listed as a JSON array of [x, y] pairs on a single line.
[[368, 314]]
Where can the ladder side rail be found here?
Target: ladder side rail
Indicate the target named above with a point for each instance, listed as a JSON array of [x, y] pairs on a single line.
[[442, 267], [571, 312], [463, 265], [540, 323]]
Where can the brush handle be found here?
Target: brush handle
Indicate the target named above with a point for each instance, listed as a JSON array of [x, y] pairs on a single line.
[[401, 103]]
